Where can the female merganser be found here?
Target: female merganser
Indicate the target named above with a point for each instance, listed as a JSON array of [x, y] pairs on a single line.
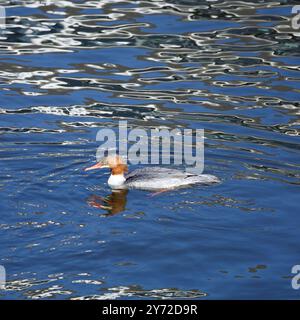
[[153, 178]]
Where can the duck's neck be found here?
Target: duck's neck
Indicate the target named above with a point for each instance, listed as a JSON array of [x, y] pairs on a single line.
[[117, 178], [119, 169]]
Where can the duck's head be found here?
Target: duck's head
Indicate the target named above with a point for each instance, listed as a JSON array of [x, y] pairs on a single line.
[[114, 163]]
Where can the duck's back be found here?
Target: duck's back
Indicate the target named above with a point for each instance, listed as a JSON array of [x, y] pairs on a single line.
[[154, 178]]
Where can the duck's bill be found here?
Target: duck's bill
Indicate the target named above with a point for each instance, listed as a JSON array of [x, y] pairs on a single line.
[[98, 165]]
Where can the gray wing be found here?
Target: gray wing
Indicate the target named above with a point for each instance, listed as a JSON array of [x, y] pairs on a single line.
[[154, 172]]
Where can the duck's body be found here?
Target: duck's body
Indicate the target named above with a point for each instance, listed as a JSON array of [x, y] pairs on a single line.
[[153, 178]]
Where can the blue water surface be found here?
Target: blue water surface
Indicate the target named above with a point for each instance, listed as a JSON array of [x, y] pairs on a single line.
[[230, 70]]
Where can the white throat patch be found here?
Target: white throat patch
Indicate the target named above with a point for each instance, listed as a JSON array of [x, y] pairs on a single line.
[[116, 180]]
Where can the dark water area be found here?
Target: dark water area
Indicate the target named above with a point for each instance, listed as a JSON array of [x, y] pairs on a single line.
[[70, 68]]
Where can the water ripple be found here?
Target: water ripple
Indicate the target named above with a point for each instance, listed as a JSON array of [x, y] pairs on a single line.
[[70, 68]]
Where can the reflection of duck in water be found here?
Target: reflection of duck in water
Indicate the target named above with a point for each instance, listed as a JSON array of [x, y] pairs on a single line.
[[153, 178], [113, 204]]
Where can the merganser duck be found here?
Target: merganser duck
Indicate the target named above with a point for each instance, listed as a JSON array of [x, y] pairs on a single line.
[[152, 178]]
